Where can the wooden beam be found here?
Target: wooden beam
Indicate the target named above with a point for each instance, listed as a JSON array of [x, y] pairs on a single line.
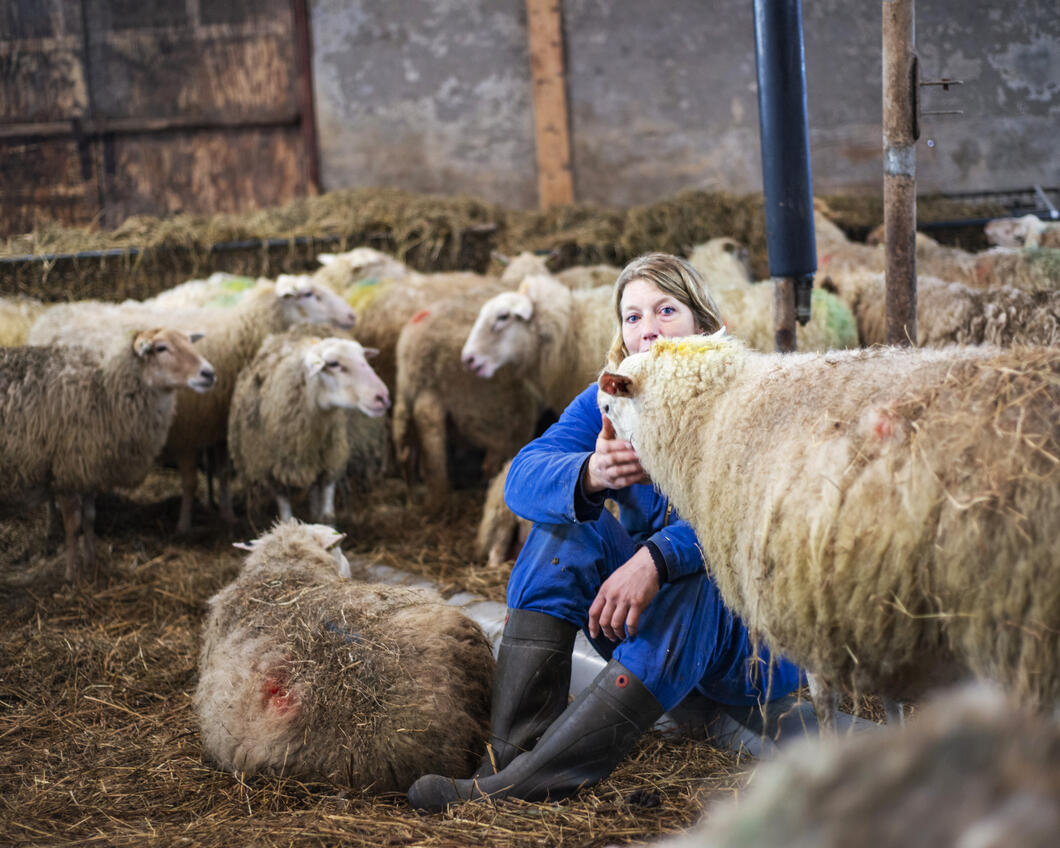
[[551, 130]]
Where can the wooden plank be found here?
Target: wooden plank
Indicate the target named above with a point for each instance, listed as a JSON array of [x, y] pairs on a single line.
[[235, 170], [46, 179], [551, 128]]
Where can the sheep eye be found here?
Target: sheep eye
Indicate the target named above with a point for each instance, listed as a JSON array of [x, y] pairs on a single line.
[[504, 316], [334, 363], [160, 347], [607, 407], [307, 294]]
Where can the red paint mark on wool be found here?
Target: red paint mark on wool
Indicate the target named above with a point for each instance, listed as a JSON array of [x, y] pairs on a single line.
[[278, 697], [884, 428], [419, 316]]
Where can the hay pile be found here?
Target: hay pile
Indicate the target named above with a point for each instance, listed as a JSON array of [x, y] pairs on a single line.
[[98, 735], [145, 255]]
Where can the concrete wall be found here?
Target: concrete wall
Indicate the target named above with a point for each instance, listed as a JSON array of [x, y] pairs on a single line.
[[435, 96]]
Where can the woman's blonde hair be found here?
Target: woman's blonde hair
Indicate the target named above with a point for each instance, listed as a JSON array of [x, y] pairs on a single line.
[[674, 276]]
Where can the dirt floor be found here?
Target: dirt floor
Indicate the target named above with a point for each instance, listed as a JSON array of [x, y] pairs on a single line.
[[99, 742]]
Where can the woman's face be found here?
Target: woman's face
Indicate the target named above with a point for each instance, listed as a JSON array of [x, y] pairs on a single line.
[[649, 313]]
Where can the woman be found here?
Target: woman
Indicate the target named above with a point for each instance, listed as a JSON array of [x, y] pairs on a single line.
[[637, 586]]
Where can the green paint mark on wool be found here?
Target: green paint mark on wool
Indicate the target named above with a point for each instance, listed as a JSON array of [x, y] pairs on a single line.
[[837, 318], [363, 292], [231, 292], [1045, 260]]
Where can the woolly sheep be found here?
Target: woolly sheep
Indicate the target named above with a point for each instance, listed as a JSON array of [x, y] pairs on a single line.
[[220, 290], [434, 391], [500, 531], [386, 294], [1027, 231], [1030, 269], [556, 339], [233, 336], [365, 686], [17, 315], [288, 427], [971, 769], [723, 263], [953, 313], [75, 425], [575, 277], [887, 518], [747, 307]]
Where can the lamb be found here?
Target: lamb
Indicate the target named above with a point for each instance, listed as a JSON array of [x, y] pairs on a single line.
[[288, 427], [555, 339], [308, 674], [75, 425], [886, 518], [972, 768], [953, 313], [434, 391]]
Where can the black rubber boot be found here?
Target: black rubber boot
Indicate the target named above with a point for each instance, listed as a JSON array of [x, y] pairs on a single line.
[[530, 684], [580, 748]]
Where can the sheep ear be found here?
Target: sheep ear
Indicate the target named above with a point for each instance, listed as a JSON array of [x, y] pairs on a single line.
[[314, 363], [618, 385], [286, 286], [245, 546], [524, 309], [326, 258], [143, 343], [196, 337], [371, 352]]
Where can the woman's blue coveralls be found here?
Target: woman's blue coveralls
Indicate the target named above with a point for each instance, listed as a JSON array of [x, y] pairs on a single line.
[[686, 638]]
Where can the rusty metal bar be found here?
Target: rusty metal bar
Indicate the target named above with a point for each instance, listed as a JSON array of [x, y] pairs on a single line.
[[784, 314], [900, 132]]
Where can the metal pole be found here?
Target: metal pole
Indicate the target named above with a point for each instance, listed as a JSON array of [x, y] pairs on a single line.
[[900, 132], [786, 178]]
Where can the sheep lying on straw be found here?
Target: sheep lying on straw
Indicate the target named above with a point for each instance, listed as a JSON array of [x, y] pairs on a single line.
[[74, 426], [288, 427], [1028, 231], [306, 673], [972, 768], [886, 518], [953, 313], [435, 392]]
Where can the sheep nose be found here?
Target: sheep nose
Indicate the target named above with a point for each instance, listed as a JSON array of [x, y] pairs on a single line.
[[208, 375], [383, 400], [469, 362]]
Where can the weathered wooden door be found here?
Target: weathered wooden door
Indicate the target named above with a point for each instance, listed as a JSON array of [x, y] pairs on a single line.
[[112, 108]]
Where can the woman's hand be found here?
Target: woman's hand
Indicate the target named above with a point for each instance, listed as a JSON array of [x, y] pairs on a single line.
[[623, 597], [614, 463]]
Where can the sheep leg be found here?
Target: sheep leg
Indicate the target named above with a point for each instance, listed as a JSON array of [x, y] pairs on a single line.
[[283, 504], [825, 702], [70, 506], [328, 511], [429, 415], [315, 510], [88, 528], [893, 710], [224, 483], [189, 479]]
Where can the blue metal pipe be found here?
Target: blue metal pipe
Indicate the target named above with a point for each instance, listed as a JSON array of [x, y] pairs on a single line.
[[786, 177]]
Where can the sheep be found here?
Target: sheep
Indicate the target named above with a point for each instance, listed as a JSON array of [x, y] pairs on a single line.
[[220, 289], [972, 768], [723, 263], [435, 391], [75, 425], [500, 531], [747, 307], [306, 673], [1030, 269], [576, 277], [953, 313], [886, 518], [232, 338], [386, 294], [288, 429], [17, 315], [1027, 231], [556, 339]]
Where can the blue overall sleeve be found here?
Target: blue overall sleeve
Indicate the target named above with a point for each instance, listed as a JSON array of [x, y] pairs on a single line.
[[546, 474]]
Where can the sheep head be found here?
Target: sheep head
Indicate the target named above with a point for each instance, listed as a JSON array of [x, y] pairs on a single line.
[[501, 334], [365, 263], [292, 540], [308, 302], [617, 401], [341, 377], [169, 360]]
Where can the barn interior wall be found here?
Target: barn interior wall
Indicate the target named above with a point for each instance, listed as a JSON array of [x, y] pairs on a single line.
[[436, 96]]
